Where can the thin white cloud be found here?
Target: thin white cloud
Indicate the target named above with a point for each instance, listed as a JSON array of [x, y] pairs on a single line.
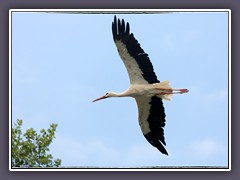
[[76, 153], [212, 96], [101, 154], [168, 41], [190, 36], [206, 148], [217, 95]]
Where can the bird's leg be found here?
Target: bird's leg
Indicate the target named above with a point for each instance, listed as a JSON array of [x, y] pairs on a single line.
[[180, 91], [171, 91]]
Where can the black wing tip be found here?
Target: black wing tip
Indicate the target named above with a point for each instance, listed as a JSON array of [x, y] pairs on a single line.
[[153, 140], [120, 30]]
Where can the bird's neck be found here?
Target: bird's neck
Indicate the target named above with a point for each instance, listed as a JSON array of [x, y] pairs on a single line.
[[123, 94]]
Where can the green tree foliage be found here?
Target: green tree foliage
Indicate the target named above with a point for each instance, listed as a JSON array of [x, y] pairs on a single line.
[[30, 149]]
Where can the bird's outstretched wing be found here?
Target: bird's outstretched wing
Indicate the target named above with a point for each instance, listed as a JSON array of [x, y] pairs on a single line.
[[152, 121], [137, 62], [140, 71]]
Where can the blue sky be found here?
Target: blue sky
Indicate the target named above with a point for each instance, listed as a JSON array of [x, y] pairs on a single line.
[[61, 62]]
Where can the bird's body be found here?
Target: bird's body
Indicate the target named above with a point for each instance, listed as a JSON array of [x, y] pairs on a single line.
[[147, 90], [162, 90]]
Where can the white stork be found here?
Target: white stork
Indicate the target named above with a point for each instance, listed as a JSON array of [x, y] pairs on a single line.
[[147, 90]]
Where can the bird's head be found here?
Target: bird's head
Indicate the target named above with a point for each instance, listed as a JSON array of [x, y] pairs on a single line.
[[107, 95]]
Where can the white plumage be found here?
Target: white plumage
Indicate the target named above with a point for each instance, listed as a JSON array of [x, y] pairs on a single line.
[[147, 90]]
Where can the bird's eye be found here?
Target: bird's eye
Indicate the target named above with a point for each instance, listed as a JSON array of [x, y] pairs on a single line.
[[106, 94]]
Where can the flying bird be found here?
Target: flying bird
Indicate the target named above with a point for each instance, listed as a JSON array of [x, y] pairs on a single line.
[[147, 90]]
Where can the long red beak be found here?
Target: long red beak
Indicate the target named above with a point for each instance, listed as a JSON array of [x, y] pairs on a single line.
[[103, 97]]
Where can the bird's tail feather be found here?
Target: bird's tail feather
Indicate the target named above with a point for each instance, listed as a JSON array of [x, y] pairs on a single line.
[[164, 85]]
